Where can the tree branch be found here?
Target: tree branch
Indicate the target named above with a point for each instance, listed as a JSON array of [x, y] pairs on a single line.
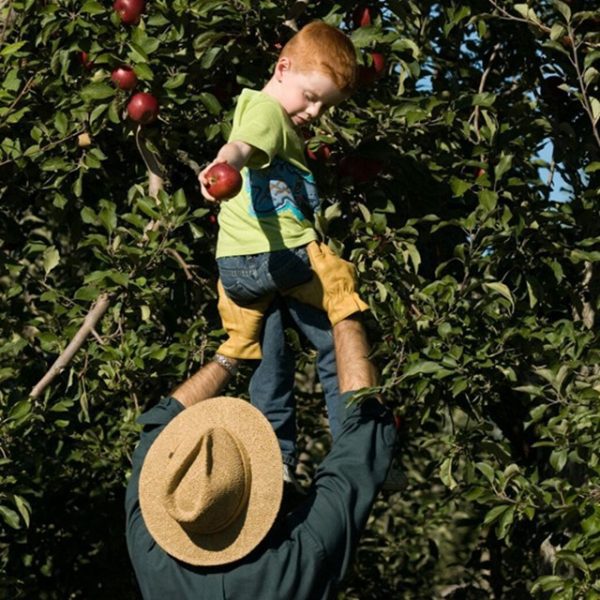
[[155, 169], [95, 314]]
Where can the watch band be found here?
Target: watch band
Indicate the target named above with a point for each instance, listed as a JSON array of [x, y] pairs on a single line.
[[226, 363]]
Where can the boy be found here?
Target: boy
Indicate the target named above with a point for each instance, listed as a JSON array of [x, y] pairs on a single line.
[[266, 233]]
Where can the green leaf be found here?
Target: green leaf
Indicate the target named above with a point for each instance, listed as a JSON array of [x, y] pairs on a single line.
[[505, 522], [20, 410], [92, 7], [459, 186], [421, 368], [558, 459], [547, 583], [211, 103], [527, 13], [557, 31], [501, 289], [486, 470], [563, 8], [10, 517], [446, 473], [595, 105], [12, 48], [97, 91], [174, 82], [503, 166], [51, 259], [23, 508], [494, 514], [488, 199], [573, 558]]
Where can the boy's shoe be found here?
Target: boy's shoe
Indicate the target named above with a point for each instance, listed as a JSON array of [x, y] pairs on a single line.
[[396, 480]]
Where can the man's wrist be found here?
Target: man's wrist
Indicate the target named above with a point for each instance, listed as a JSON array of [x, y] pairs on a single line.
[[229, 364]]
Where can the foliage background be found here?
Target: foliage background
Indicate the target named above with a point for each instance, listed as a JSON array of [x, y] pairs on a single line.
[[484, 289]]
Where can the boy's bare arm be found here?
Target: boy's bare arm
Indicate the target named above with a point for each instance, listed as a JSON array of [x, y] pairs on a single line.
[[234, 153]]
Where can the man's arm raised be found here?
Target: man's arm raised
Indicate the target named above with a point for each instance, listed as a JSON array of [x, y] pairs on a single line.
[[355, 370], [208, 382]]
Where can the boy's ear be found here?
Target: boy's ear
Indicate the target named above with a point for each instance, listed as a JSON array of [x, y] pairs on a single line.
[[283, 64]]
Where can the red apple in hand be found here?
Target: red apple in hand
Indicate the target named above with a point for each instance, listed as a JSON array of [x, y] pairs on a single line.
[[224, 181], [143, 108], [124, 78], [129, 11]]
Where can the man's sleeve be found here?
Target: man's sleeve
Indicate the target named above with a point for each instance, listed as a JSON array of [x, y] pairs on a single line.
[[154, 421], [260, 126], [348, 481]]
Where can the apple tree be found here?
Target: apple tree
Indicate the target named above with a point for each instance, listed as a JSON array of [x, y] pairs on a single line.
[[481, 273]]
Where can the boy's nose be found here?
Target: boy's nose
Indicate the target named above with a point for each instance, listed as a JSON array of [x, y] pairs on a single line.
[[314, 110]]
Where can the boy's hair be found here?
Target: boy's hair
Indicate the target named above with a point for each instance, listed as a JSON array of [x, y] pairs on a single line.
[[326, 49]]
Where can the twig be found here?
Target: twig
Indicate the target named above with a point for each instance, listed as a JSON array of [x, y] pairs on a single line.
[[28, 85], [186, 269], [95, 314], [97, 336], [155, 169], [46, 147], [9, 20], [585, 101], [510, 17], [475, 114]]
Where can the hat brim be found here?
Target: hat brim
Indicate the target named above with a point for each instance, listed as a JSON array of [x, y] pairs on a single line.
[[241, 536]]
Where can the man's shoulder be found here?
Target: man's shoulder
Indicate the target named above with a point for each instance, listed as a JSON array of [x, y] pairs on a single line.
[[161, 413]]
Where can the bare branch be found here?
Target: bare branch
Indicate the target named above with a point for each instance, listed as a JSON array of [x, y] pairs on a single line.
[[96, 312], [476, 112], [155, 169], [186, 269]]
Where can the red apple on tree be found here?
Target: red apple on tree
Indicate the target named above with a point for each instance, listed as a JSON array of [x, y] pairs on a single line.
[[143, 108], [84, 59], [367, 75], [223, 181], [361, 17], [378, 63], [124, 78], [129, 11], [322, 153], [359, 169]]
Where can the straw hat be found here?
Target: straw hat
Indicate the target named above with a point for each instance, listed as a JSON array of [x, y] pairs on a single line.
[[212, 481]]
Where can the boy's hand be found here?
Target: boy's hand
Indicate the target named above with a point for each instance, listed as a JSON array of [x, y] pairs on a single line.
[[243, 325], [333, 286], [202, 179], [235, 153]]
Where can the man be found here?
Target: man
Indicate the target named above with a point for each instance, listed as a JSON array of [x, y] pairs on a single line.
[[205, 491]]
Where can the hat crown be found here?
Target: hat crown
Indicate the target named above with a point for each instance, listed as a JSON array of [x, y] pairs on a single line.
[[207, 481]]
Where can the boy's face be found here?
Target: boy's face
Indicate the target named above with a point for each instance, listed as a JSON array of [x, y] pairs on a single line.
[[305, 96]]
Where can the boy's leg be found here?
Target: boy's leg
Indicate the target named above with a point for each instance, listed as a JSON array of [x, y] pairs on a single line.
[[272, 384], [315, 325]]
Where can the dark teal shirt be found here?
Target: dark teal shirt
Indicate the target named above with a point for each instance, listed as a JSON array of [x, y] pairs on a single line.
[[306, 553]]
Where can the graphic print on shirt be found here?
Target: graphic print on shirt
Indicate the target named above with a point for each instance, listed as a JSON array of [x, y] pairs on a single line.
[[281, 188]]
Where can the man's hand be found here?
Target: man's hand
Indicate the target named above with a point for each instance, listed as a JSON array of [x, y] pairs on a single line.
[[243, 324], [333, 286]]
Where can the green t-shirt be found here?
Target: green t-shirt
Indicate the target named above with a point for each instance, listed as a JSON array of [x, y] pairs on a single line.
[[274, 209]]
